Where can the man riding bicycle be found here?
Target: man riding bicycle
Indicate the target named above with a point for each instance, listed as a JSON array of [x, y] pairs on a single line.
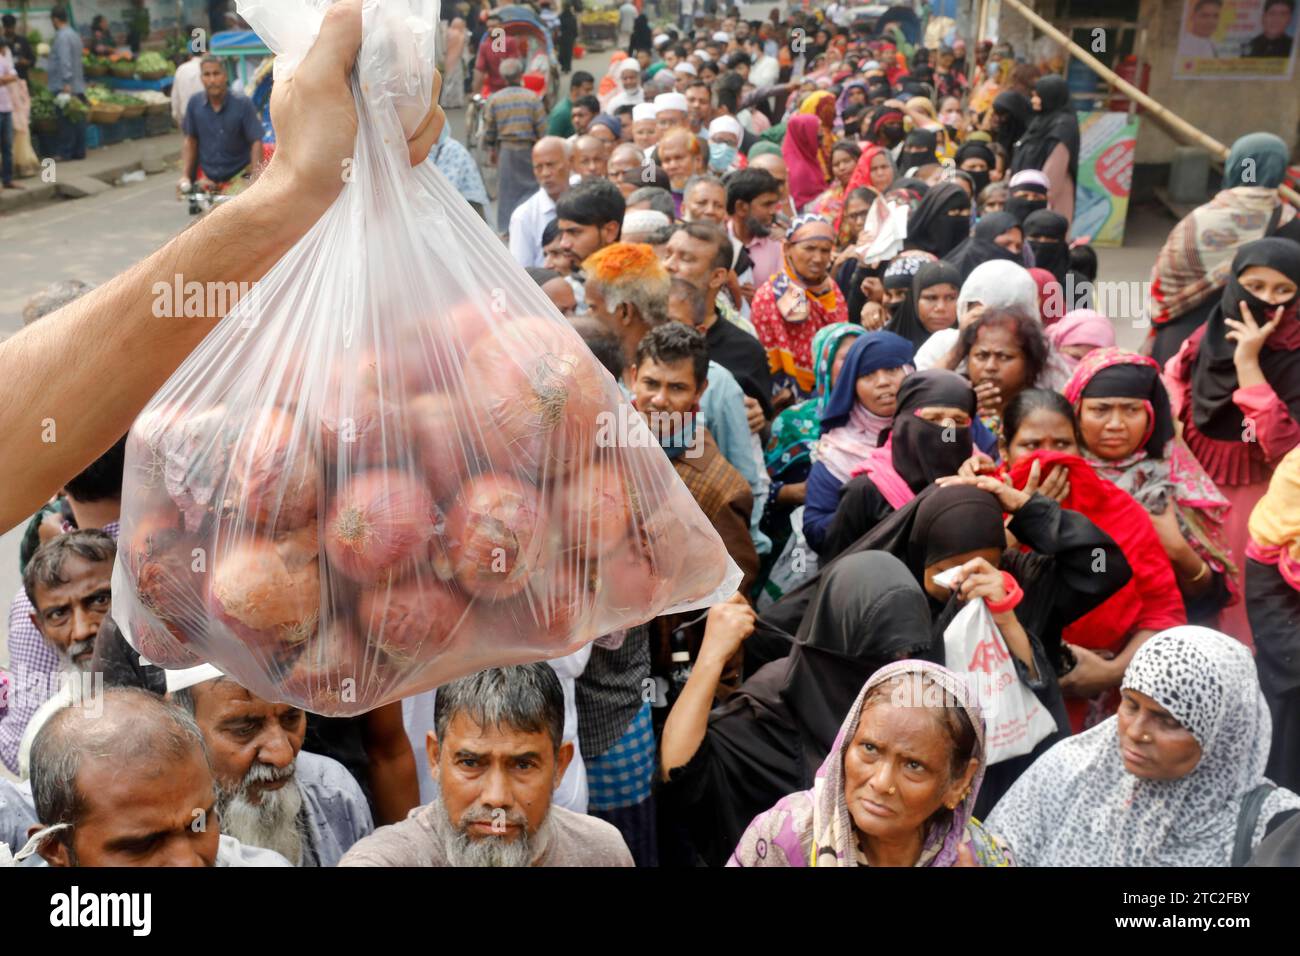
[[223, 135]]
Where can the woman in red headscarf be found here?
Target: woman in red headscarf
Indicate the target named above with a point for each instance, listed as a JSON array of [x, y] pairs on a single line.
[[1042, 451], [801, 150], [794, 304]]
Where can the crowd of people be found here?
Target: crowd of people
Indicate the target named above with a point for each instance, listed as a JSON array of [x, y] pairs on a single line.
[[845, 263]]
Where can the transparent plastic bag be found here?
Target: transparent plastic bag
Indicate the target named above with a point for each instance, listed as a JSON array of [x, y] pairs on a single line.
[[394, 463]]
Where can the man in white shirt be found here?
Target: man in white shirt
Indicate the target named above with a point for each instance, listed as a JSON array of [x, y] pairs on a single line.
[[1197, 41], [764, 70], [684, 74], [187, 82], [551, 168]]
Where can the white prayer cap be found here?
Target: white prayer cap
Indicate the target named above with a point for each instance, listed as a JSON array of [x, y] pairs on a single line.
[[644, 220], [190, 676], [630, 65], [644, 111], [721, 37], [726, 124], [687, 68], [704, 55], [661, 38], [671, 101]]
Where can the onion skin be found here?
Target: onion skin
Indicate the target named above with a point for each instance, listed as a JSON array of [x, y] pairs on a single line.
[[595, 510], [196, 463], [358, 424], [267, 592], [335, 674], [162, 561], [411, 620], [160, 645], [539, 386], [495, 536], [379, 520], [439, 428], [274, 476]]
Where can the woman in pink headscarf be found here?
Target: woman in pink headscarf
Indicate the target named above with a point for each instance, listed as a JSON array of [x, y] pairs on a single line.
[[801, 150], [1078, 333]]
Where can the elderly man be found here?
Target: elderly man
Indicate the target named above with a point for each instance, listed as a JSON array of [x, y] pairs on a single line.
[[590, 158], [497, 755], [126, 782], [671, 110], [551, 169], [98, 338], [515, 120], [644, 131], [628, 73], [623, 157], [704, 199], [270, 792]]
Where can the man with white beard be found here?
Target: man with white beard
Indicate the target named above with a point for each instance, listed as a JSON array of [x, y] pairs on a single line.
[[270, 792], [497, 752]]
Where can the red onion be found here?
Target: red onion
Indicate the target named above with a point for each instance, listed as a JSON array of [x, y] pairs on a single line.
[[267, 592], [379, 520], [274, 477], [410, 620], [494, 534]]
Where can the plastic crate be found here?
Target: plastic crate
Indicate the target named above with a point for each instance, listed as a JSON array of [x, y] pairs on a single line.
[[94, 139], [111, 133], [132, 128], [157, 124]]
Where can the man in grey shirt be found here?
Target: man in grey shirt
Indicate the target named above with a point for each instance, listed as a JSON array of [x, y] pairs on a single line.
[[497, 755], [67, 76]]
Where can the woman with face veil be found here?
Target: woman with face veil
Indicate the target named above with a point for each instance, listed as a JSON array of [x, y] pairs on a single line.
[[724, 766], [1064, 564]]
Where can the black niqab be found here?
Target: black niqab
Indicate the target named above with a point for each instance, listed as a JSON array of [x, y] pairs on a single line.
[[981, 247], [906, 319], [933, 227], [1051, 252], [922, 451], [1054, 123]]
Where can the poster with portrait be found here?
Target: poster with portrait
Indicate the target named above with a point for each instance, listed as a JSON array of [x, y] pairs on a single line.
[[1236, 39]]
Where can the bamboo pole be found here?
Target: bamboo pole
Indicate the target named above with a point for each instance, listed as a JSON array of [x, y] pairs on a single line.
[[1170, 119]]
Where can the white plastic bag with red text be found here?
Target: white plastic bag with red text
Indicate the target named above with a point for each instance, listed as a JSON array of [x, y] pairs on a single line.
[[394, 463], [1015, 721]]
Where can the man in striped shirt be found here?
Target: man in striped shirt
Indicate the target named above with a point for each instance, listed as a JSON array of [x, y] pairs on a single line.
[[516, 119]]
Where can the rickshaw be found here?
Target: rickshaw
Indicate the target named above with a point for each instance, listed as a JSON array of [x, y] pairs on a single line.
[[531, 41]]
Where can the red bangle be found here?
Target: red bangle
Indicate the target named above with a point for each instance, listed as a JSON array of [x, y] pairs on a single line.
[[1014, 596]]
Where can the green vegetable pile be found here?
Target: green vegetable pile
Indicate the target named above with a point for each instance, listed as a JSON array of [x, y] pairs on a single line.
[[102, 94], [154, 62]]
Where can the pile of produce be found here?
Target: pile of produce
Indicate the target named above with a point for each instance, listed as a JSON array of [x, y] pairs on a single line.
[[154, 63], [436, 501], [95, 65], [102, 94]]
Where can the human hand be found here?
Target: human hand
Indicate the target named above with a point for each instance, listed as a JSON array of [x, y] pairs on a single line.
[[729, 623], [973, 312], [1009, 497], [1249, 335], [747, 291], [754, 413], [979, 579], [977, 464], [988, 397], [1056, 487], [1090, 675], [873, 317], [965, 855], [316, 117]]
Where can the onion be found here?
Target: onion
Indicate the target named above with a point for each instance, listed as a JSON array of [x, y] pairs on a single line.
[[170, 572], [703, 566], [630, 586], [494, 534], [595, 509], [159, 645], [410, 620], [563, 601], [196, 460], [542, 389], [357, 418], [441, 429], [267, 592], [379, 520], [274, 478], [335, 674]]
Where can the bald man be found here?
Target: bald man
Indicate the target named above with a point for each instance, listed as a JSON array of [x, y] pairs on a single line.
[[624, 157], [552, 167], [590, 158], [679, 154], [128, 783]]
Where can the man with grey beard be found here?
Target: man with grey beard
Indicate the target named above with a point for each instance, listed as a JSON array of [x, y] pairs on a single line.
[[270, 792], [68, 581], [497, 755]]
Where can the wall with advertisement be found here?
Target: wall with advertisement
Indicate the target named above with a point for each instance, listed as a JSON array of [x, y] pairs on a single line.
[[1107, 144], [1236, 39]]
